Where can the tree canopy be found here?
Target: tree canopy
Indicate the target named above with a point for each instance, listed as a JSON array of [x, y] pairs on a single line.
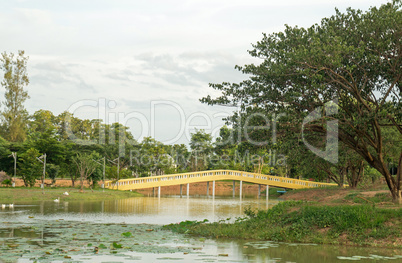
[[15, 79], [347, 70]]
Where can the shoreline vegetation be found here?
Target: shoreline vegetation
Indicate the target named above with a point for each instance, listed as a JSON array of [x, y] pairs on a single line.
[[23, 194], [354, 217]]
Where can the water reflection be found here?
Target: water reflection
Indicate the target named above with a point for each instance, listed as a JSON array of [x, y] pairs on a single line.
[[38, 225], [152, 210]]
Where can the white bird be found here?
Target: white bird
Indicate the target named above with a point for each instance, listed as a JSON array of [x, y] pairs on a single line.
[[3, 206], [57, 200], [11, 205], [65, 193]]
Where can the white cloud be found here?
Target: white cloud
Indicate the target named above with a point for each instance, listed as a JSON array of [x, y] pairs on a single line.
[[133, 52]]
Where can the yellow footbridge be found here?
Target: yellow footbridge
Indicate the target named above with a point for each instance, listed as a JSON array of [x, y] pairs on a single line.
[[211, 176]]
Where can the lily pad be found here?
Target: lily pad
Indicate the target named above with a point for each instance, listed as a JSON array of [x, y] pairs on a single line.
[[127, 234], [115, 245]]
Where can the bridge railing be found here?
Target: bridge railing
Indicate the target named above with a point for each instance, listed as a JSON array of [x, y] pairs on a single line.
[[216, 175]]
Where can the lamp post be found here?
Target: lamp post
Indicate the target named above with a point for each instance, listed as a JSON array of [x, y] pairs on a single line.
[[118, 169], [44, 170], [15, 166], [14, 155]]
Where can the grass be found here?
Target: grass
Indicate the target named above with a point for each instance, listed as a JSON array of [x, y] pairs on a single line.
[[273, 192], [377, 198], [297, 221], [9, 195], [377, 195], [327, 189]]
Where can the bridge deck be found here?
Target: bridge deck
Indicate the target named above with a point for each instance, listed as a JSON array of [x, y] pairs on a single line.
[[209, 176]]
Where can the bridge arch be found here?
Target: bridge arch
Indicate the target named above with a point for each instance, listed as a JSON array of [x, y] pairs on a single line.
[[211, 176]]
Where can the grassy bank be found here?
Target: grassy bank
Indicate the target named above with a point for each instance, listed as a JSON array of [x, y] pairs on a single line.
[[10, 195], [273, 192], [377, 195], [298, 221]]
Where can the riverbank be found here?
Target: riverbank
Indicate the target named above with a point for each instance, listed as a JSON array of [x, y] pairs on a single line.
[[378, 195], [365, 217], [301, 222], [10, 195]]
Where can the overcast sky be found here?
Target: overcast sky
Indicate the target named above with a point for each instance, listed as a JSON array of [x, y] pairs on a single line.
[[145, 64]]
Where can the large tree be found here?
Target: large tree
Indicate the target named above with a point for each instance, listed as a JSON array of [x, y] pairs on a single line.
[[5, 160], [14, 115], [347, 69], [30, 168], [201, 147], [86, 165]]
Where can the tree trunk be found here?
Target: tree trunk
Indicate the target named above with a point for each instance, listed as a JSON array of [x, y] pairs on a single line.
[[338, 177], [82, 181], [398, 198], [353, 177], [356, 174], [342, 172], [394, 184], [377, 161], [72, 180]]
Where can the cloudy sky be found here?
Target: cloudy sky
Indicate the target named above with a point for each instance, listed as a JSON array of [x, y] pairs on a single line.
[[145, 64]]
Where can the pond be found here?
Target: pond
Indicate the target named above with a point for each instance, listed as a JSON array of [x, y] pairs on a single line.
[[129, 231], [150, 210]]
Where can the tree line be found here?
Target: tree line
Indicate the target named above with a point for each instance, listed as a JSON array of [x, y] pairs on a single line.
[[324, 103]]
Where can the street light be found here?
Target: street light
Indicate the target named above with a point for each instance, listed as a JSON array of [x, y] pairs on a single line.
[[118, 169], [14, 155], [104, 164], [44, 171]]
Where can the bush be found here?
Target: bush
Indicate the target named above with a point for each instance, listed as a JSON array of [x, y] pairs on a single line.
[[3, 176], [7, 182]]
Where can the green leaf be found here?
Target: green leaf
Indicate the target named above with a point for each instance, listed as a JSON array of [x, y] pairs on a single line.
[[102, 246], [115, 245], [127, 234]]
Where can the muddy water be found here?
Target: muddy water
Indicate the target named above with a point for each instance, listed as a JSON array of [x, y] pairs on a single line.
[[129, 231]]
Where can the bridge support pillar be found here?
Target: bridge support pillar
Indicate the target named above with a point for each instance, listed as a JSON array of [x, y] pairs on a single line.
[[241, 188], [159, 191], [188, 190], [259, 191], [153, 191], [181, 190], [234, 188], [213, 189], [207, 188], [267, 193]]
